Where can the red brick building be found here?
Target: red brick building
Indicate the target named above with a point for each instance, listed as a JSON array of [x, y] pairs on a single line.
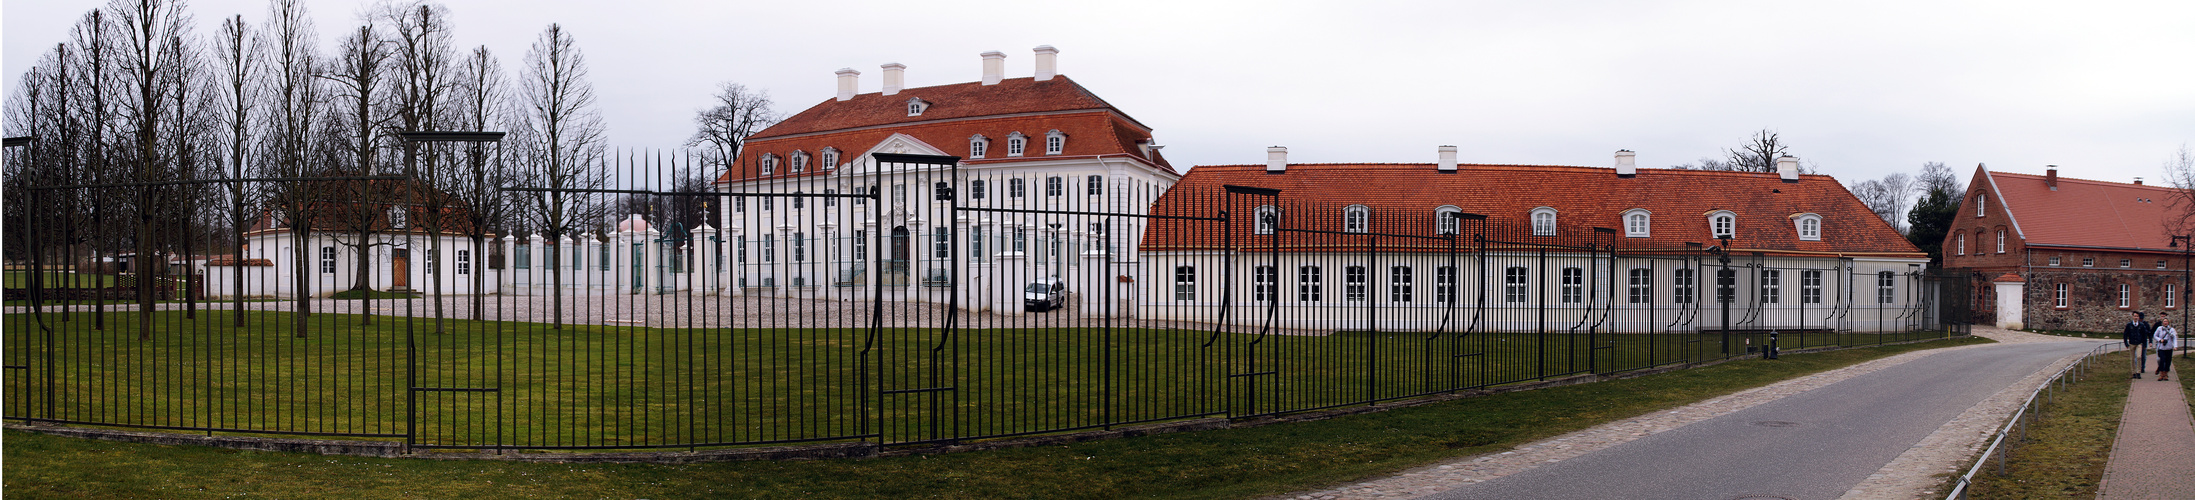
[[2089, 251]]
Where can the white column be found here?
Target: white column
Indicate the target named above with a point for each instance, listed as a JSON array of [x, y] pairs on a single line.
[[652, 271], [704, 266], [534, 279], [1010, 272]]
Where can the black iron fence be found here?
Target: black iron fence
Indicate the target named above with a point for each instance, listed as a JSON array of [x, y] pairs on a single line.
[[898, 300]]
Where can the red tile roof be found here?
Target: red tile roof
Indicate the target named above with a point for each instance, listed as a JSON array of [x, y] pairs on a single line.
[[2080, 212], [957, 112], [1403, 197]]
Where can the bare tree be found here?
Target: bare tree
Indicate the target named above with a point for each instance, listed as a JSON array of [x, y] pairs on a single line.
[[294, 109], [1935, 176], [237, 53], [563, 145], [152, 60], [1889, 197], [422, 56], [2180, 173], [481, 103], [723, 127]]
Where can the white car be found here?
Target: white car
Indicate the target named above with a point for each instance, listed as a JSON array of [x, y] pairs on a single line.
[[1044, 295]]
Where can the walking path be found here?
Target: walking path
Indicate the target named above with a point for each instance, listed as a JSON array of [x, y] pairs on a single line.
[[2156, 443], [1903, 461]]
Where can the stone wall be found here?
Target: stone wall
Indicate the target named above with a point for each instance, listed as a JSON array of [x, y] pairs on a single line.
[[2092, 298]]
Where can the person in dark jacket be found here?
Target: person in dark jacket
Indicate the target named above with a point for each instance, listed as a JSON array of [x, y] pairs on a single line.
[[2137, 336]]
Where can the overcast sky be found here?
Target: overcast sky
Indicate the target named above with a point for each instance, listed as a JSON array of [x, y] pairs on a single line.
[[2105, 90]]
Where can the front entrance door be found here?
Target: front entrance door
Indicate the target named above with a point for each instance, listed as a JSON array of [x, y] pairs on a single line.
[[895, 268], [400, 268]]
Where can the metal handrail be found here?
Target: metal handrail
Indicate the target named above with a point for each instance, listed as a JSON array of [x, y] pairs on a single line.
[[2019, 419]]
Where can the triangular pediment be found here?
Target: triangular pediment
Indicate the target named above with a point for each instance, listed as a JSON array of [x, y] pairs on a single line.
[[897, 144]]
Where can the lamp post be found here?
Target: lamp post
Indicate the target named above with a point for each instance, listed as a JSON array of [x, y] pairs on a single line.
[[2185, 245]]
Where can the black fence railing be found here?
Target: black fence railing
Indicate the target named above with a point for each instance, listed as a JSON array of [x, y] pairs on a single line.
[[899, 300]]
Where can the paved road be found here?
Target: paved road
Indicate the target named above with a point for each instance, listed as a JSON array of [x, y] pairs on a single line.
[[1814, 445]]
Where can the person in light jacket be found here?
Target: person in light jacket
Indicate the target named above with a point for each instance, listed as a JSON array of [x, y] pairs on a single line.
[[2164, 342]]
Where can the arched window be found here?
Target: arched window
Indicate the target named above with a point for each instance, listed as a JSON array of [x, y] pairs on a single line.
[[1810, 226], [1447, 220], [1054, 142], [916, 106], [1267, 219], [830, 157], [2000, 241], [800, 161], [1015, 143], [769, 163], [1722, 224], [1981, 204], [1543, 221], [1961, 249], [978, 145], [1638, 223], [1356, 218]]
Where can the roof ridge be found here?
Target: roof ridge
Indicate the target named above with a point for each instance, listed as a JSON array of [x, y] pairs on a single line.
[[2061, 178]]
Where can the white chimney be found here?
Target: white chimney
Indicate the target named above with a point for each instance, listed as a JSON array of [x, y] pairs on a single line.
[[994, 67], [1787, 167], [1047, 62], [849, 82], [1276, 159], [894, 78], [1627, 163], [1448, 159]]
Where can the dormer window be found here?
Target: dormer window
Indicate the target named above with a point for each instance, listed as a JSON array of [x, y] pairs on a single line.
[[1054, 142], [1543, 221], [1638, 223], [800, 161], [1015, 143], [916, 105], [830, 157], [769, 164], [978, 145], [1267, 218], [1356, 218], [1447, 220], [397, 218], [1722, 224], [1810, 229]]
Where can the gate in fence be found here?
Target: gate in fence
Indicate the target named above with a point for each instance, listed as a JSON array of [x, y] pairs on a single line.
[[903, 299]]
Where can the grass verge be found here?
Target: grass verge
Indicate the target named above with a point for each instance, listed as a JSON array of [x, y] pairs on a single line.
[[1233, 463], [2066, 449]]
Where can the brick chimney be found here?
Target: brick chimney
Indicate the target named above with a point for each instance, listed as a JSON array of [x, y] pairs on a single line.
[[1627, 163], [1047, 62], [2137, 180], [849, 82], [1447, 159], [894, 78], [994, 67], [1276, 159], [2050, 178]]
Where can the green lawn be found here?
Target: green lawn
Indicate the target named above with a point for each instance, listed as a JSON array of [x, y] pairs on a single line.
[[1232, 463], [625, 386], [2067, 448], [22, 279]]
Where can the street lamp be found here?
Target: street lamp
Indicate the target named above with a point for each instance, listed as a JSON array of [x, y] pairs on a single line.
[[2177, 241]]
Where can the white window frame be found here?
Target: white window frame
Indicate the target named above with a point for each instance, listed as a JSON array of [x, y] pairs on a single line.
[[1516, 287], [978, 145], [1401, 284], [2126, 296], [769, 163], [1722, 224], [2126, 263], [978, 189], [769, 247], [1543, 221], [1683, 286], [1055, 142], [1771, 286], [1810, 228], [1981, 204], [2000, 241], [800, 247], [1886, 287], [327, 260], [1641, 285], [1054, 186], [800, 161], [464, 262], [1573, 285], [1810, 286], [941, 243], [2058, 297], [830, 157], [1447, 220], [1444, 284], [1354, 281], [1310, 284], [2172, 296], [1961, 238], [916, 106], [1264, 284], [1016, 144], [1017, 187], [1185, 283], [1096, 185], [1261, 223], [1638, 223], [1356, 219]]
